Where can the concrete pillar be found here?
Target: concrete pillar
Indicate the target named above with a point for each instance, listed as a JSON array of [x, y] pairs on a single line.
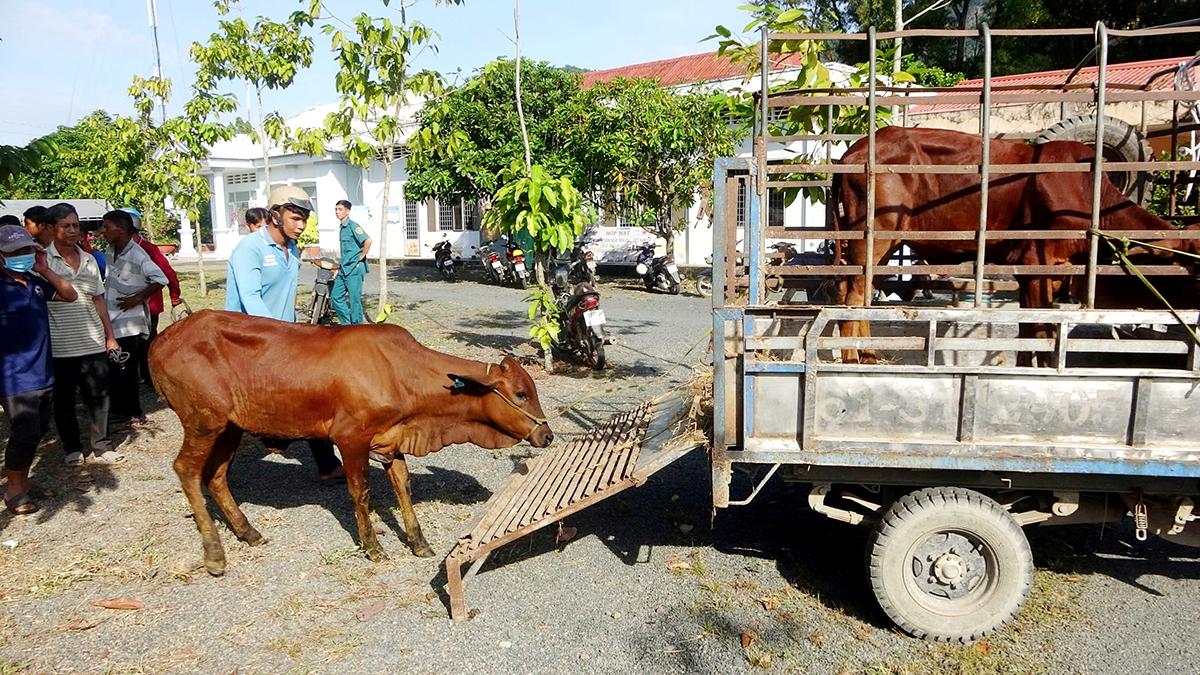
[[220, 217]]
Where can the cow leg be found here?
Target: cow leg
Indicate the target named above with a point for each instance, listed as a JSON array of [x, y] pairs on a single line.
[[189, 466], [1035, 292], [219, 461], [355, 462], [397, 471]]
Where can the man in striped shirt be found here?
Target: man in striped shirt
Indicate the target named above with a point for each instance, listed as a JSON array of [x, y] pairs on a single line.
[[80, 339], [132, 279]]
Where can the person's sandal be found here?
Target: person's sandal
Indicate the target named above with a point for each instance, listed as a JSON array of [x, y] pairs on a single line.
[[21, 505], [109, 457], [74, 459]]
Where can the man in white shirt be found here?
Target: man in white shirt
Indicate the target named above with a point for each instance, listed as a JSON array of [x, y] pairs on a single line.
[[132, 279]]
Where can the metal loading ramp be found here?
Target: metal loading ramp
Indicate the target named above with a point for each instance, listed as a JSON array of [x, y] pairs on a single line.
[[619, 454]]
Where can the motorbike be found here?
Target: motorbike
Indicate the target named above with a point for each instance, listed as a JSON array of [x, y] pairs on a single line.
[[490, 259], [657, 272], [580, 319], [320, 309], [514, 266], [581, 264], [443, 260], [817, 289]]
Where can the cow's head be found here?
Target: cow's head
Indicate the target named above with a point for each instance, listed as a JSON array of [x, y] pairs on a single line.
[[510, 405]]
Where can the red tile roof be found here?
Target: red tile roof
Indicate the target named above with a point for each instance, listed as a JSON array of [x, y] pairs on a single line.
[[683, 70], [1136, 72]]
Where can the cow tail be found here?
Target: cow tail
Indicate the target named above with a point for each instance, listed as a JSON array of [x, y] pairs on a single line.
[[835, 203]]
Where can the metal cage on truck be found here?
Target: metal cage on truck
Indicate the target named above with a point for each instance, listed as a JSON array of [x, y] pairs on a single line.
[[950, 446]]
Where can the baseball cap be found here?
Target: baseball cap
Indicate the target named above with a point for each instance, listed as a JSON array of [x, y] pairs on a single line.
[[15, 238], [136, 216]]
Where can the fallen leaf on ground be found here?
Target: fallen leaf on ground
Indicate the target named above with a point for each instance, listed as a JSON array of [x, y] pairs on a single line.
[[119, 603], [769, 602], [679, 566], [370, 611], [77, 624], [983, 648], [378, 529], [1074, 580], [747, 640], [406, 652]]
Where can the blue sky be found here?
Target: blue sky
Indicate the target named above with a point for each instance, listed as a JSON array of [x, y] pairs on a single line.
[[61, 59]]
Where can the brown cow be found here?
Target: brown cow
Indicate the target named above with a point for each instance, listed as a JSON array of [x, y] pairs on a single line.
[[950, 202], [371, 389]]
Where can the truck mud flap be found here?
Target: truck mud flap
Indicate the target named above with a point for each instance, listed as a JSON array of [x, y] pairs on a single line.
[[617, 455]]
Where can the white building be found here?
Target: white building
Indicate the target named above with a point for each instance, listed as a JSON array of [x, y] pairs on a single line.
[[235, 171]]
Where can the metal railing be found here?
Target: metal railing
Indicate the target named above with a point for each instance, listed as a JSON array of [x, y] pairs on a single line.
[[744, 271]]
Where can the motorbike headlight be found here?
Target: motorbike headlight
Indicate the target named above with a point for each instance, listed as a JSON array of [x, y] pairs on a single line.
[[642, 269]]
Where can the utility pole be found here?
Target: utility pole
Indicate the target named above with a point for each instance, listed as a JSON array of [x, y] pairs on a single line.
[[152, 10]]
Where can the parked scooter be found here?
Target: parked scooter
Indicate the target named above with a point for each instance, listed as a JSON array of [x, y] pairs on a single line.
[[320, 309], [489, 257], [817, 289], [581, 264], [514, 266], [657, 272], [443, 260], [580, 319]]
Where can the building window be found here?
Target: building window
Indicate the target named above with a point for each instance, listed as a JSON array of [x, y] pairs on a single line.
[[398, 152], [474, 216], [447, 222], [410, 220], [775, 207], [237, 202], [741, 204]]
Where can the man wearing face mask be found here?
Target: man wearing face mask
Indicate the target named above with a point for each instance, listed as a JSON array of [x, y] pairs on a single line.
[[26, 369], [261, 279]]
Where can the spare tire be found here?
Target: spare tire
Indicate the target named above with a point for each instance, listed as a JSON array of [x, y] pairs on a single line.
[[1122, 143]]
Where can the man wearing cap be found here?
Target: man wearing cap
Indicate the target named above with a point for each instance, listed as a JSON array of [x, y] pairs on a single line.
[[155, 303], [132, 280], [261, 279], [26, 369], [353, 267]]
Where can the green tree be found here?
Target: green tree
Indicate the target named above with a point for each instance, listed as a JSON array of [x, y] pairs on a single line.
[[644, 150], [375, 84], [18, 160], [482, 115], [266, 55]]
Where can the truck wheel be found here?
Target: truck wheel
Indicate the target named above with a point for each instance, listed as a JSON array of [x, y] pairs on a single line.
[[1122, 143], [949, 564]]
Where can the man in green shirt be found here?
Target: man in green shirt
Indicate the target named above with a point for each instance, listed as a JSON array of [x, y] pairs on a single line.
[[349, 280]]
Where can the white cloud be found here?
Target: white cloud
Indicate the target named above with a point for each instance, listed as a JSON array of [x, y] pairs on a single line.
[[73, 26]]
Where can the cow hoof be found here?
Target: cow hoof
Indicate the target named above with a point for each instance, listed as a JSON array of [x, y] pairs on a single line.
[[423, 552], [376, 555], [215, 567], [255, 539]]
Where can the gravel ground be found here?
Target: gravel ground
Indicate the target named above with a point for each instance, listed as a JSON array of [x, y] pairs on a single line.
[[651, 581]]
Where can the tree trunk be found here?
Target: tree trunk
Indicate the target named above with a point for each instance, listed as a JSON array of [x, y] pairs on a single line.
[[669, 236], [262, 137], [383, 226]]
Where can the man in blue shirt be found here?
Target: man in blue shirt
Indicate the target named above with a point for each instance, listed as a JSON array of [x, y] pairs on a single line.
[[26, 371], [349, 281], [261, 280]]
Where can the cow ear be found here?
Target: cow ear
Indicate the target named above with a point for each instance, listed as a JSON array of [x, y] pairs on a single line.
[[463, 382]]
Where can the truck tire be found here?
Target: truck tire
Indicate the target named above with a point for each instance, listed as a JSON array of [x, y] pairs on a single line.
[[1122, 143], [949, 564]]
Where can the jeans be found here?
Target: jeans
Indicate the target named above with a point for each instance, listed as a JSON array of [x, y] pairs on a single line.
[[343, 285], [322, 451], [88, 374], [123, 378], [28, 415], [143, 366]]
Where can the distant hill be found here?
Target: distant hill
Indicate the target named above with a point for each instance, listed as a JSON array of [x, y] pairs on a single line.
[[574, 70]]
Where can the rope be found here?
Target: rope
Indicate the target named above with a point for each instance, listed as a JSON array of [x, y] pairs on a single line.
[[1121, 253], [651, 382]]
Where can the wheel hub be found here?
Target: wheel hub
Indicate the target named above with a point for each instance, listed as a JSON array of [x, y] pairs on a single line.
[[948, 565]]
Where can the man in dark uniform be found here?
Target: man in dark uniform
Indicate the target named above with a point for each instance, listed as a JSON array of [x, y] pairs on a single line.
[[349, 280]]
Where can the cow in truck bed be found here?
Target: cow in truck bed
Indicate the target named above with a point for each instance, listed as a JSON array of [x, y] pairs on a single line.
[[908, 203], [371, 389]]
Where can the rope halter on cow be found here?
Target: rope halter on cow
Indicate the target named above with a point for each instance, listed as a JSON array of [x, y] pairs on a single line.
[[459, 383]]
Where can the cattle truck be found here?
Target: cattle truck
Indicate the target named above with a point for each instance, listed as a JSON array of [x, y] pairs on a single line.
[[945, 447]]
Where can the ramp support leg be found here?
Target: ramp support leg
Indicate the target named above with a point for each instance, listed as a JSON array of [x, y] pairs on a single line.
[[454, 582]]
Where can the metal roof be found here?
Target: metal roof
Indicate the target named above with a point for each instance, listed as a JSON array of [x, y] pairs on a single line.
[[88, 209], [1132, 73], [705, 67]]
